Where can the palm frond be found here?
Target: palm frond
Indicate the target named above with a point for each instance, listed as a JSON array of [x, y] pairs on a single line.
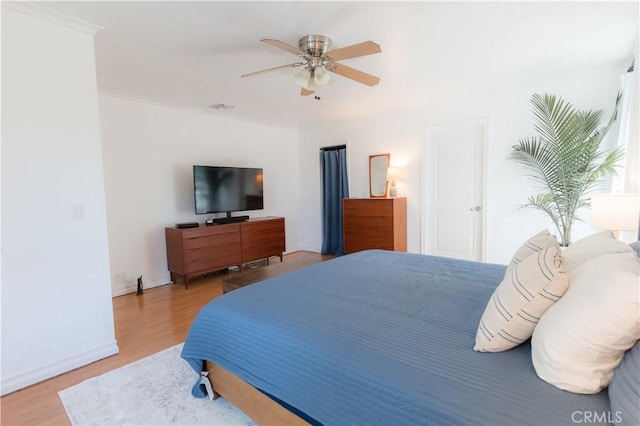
[[545, 203]]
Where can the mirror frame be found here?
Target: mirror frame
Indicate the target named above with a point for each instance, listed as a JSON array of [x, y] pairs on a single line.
[[386, 185]]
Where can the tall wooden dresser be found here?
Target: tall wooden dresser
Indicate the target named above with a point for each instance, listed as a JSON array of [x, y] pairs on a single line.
[[375, 223]]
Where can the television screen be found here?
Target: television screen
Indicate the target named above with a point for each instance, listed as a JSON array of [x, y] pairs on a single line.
[[227, 189]]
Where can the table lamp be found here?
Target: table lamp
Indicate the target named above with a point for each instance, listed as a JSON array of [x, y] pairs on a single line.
[[616, 212]]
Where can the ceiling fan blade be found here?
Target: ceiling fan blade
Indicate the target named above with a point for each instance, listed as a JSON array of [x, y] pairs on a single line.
[[251, 74], [285, 46], [353, 51], [353, 74], [305, 92]]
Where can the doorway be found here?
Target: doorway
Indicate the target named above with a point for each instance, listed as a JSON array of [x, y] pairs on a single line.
[[453, 176]]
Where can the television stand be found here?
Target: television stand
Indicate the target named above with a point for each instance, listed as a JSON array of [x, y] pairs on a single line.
[[228, 219], [197, 251]]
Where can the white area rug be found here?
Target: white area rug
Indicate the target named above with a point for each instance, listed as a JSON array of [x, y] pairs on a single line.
[[153, 391]]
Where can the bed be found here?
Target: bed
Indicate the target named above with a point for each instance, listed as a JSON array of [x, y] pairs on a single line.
[[373, 338]]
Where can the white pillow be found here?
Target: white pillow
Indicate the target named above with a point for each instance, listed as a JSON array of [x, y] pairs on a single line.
[[591, 247], [517, 304], [538, 242], [581, 339]]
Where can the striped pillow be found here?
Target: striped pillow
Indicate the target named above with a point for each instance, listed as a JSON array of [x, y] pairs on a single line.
[[515, 307], [538, 242]]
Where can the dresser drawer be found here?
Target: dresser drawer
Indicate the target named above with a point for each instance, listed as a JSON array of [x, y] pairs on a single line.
[[266, 241], [369, 223], [359, 242], [382, 208], [257, 232], [211, 257], [220, 240], [213, 230]]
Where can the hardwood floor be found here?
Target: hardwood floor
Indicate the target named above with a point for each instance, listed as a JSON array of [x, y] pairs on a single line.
[[144, 325], [250, 275]]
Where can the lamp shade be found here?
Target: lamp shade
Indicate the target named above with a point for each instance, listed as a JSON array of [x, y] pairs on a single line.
[[311, 85], [392, 173], [615, 212], [321, 76], [311, 77], [302, 77]]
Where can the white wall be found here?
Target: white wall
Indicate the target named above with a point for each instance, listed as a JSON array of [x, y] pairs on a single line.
[[401, 134], [56, 306], [149, 151]]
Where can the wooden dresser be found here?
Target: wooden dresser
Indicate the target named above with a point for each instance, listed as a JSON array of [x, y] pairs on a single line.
[[195, 251], [375, 223]]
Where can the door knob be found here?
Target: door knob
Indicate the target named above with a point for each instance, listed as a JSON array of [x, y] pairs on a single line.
[[475, 209]]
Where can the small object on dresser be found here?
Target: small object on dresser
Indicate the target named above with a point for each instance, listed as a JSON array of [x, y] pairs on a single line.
[[140, 286], [393, 189], [187, 225]]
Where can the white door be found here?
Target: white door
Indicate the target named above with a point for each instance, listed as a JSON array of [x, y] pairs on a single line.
[[453, 173]]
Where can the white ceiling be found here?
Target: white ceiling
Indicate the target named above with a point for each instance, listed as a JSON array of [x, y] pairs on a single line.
[[193, 53]]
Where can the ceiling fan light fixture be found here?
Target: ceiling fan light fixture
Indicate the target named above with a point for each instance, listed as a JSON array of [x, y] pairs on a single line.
[[302, 77], [321, 76], [310, 85]]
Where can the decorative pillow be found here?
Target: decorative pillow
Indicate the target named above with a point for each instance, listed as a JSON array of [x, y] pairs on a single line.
[[624, 389], [590, 247], [538, 242], [517, 304], [581, 339]]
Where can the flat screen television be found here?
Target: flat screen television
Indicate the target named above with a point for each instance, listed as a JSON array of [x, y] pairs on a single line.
[[227, 189]]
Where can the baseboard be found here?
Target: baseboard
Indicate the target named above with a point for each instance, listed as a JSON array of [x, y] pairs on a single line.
[[311, 248], [37, 375], [126, 288]]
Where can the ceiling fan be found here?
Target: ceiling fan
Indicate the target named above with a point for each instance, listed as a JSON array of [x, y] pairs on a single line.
[[317, 59]]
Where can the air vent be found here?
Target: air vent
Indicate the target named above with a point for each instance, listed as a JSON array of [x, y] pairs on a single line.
[[221, 106]]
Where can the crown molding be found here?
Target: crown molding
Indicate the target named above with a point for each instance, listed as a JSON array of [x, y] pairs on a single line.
[[49, 15], [163, 103], [204, 110]]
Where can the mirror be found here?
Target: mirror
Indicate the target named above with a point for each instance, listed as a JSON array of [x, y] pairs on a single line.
[[378, 165]]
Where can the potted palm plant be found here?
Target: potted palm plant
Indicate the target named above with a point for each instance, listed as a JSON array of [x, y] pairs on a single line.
[[565, 159]]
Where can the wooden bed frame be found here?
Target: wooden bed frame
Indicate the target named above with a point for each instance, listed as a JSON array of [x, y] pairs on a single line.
[[255, 404]]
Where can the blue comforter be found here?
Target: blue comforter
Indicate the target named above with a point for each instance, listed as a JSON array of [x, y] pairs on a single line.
[[379, 338]]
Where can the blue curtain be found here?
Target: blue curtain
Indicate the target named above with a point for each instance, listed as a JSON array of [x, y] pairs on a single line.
[[335, 187]]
